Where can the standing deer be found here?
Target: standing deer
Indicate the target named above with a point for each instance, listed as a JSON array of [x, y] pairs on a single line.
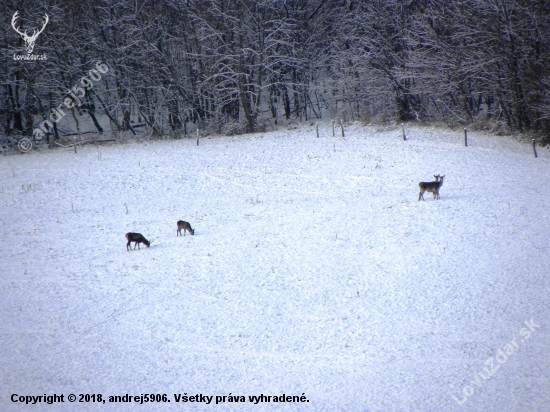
[[186, 227], [137, 238], [29, 40], [432, 187]]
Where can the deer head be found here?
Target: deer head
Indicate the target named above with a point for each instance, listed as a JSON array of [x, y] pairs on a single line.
[[29, 40]]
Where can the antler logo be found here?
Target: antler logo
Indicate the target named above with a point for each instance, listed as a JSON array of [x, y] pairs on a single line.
[[29, 40]]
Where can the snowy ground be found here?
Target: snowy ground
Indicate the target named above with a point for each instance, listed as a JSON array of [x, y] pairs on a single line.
[[313, 270]]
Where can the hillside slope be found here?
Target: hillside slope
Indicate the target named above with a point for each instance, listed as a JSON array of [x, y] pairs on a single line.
[[313, 270]]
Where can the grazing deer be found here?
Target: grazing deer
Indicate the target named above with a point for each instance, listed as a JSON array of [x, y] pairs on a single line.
[[137, 238], [432, 187], [186, 227]]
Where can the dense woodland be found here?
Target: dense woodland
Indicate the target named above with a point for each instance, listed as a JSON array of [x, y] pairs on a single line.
[[237, 66]]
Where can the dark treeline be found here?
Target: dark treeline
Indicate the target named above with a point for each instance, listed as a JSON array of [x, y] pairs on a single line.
[[236, 66]]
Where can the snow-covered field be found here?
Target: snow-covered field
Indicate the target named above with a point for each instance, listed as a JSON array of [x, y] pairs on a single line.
[[313, 270]]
